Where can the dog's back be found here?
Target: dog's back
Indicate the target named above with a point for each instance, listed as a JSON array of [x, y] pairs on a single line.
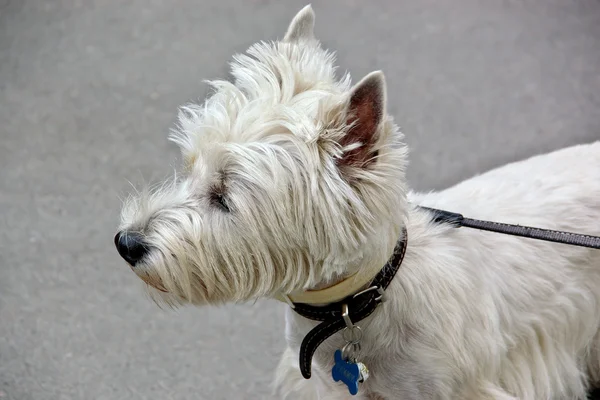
[[534, 308]]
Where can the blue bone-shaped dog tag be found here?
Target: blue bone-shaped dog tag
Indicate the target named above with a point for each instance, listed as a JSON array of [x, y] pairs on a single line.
[[347, 372]]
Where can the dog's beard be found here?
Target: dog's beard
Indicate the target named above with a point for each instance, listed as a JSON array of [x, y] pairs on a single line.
[[191, 273]]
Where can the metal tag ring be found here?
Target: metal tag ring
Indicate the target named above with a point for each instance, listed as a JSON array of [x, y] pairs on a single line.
[[351, 351], [352, 335], [345, 354]]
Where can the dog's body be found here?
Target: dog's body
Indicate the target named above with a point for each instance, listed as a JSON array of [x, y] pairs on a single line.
[[294, 180], [474, 315]]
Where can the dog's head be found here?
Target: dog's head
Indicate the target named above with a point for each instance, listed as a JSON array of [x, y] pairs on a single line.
[[291, 179]]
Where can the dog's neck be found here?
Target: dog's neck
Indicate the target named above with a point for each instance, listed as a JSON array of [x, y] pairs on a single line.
[[356, 277], [298, 326]]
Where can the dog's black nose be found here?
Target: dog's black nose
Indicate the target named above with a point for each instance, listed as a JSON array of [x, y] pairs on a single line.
[[130, 246]]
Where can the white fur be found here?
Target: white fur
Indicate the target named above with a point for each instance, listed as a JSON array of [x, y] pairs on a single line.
[[470, 315], [474, 315]]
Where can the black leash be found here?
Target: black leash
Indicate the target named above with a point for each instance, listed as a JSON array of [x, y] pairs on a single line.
[[575, 239], [364, 303]]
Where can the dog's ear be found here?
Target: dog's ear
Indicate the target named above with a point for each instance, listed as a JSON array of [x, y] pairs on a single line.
[[366, 111], [302, 26]]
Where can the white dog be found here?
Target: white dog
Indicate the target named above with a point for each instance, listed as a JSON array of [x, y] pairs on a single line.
[[294, 189]]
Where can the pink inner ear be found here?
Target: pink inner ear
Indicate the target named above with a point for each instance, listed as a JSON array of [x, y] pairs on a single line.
[[365, 113]]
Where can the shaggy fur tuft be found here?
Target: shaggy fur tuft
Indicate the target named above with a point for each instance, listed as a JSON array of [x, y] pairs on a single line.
[[294, 178]]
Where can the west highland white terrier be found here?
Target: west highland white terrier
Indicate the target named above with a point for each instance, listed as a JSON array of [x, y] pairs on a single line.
[[293, 188]]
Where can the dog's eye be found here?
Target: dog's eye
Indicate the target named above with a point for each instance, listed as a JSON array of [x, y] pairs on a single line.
[[217, 198]]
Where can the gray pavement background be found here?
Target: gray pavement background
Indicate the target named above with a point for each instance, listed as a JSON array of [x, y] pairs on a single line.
[[89, 90]]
